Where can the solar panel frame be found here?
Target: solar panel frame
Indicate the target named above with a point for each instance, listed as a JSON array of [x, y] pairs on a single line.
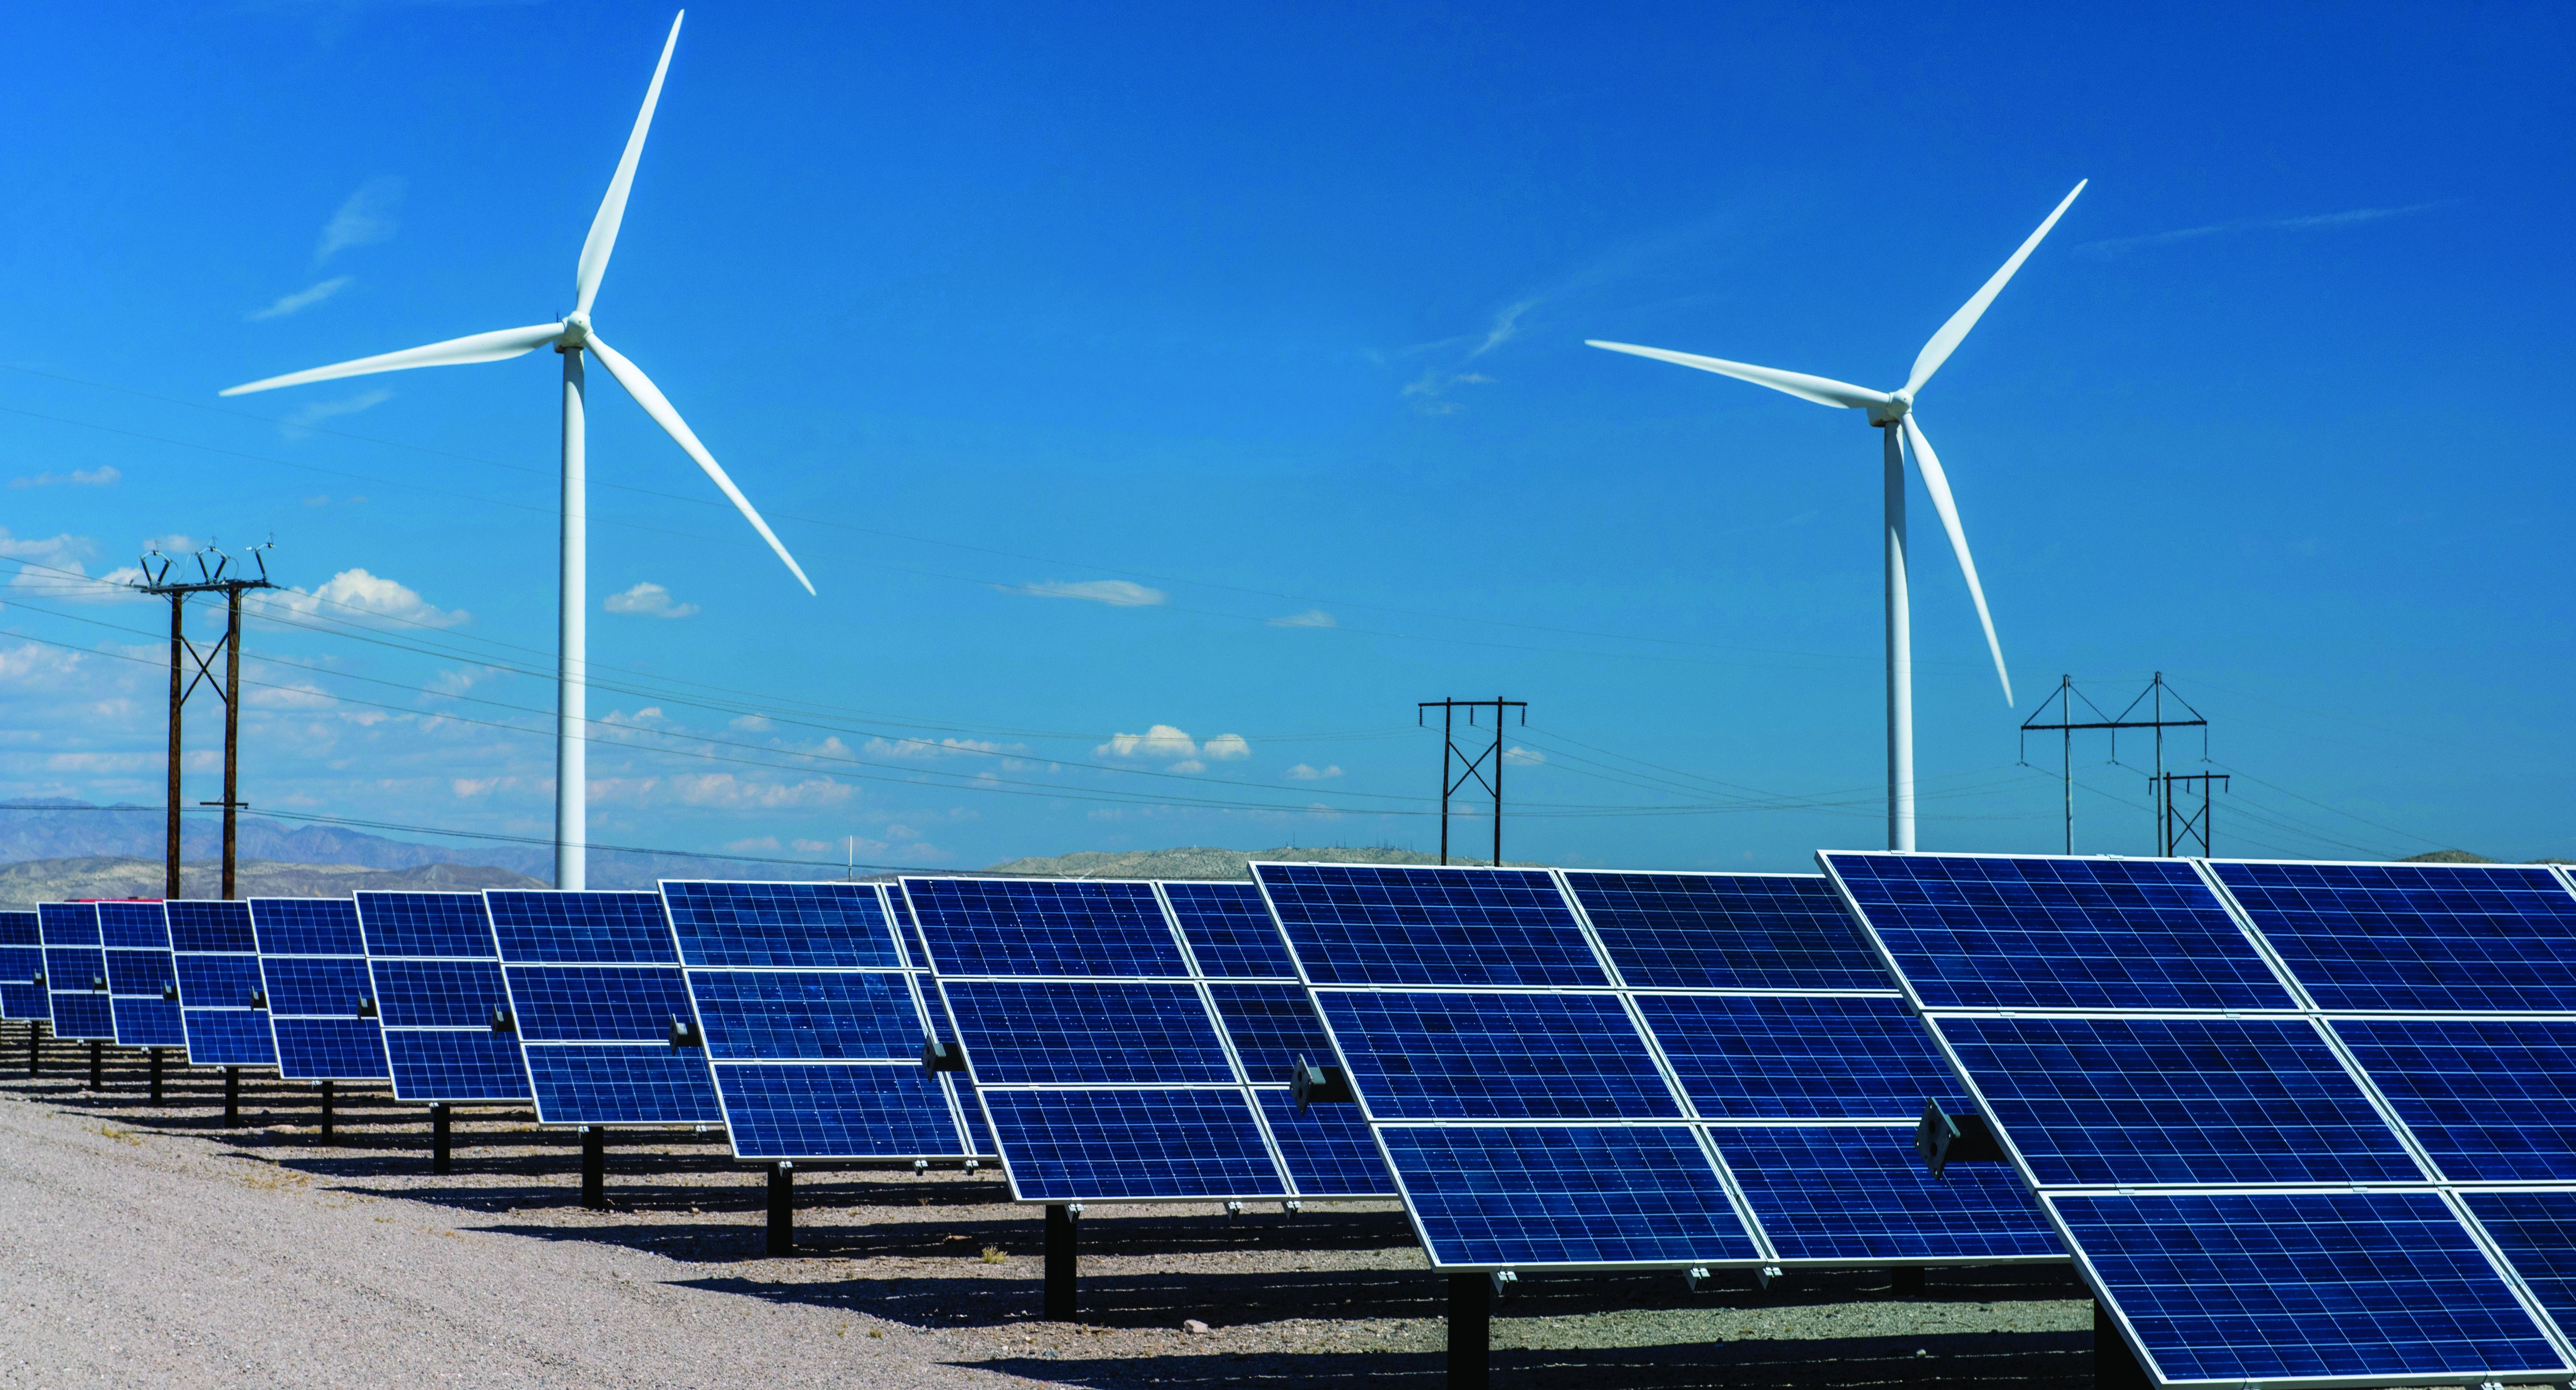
[[595, 983], [775, 1104], [1220, 1103], [303, 953], [2351, 1038], [423, 954], [1761, 976], [22, 963], [141, 976], [215, 960]]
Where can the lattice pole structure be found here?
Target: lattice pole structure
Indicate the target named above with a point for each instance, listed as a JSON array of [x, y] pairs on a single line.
[[2188, 825], [216, 578], [1473, 769], [2064, 699]]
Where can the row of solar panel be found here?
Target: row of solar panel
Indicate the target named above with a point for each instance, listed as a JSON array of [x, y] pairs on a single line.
[[2397, 1040]]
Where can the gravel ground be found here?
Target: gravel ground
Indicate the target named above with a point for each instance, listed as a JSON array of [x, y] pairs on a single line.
[[144, 1244]]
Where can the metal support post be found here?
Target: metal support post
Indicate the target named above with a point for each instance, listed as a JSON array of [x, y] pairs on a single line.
[[594, 1167], [326, 1109], [232, 731], [1905, 1280], [232, 1096], [156, 1076], [95, 1049], [2114, 1368], [1471, 1331], [782, 1209], [438, 1135], [1059, 1264], [35, 1047]]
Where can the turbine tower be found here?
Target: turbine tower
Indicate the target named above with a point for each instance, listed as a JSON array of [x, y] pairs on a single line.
[[572, 336], [1893, 413]]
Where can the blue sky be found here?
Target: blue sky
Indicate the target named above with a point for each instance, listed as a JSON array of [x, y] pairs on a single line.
[[1165, 401]]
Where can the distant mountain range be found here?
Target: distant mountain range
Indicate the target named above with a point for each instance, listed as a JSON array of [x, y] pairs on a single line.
[[25, 884], [1201, 862]]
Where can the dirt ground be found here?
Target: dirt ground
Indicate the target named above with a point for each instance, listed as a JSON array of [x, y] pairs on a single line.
[[144, 1244]]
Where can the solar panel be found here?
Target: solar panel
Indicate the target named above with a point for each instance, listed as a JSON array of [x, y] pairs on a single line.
[[596, 988], [440, 998], [140, 982], [22, 963], [75, 971], [2262, 1185], [2475, 937], [1127, 1042], [321, 999], [221, 993], [1697, 1069], [812, 1022]]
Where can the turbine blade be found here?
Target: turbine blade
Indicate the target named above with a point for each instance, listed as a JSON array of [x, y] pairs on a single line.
[[658, 406], [1947, 340], [1821, 390], [480, 347], [1938, 484], [612, 209]]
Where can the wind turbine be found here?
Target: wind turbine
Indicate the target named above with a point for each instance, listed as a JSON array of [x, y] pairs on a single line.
[[571, 336], [1893, 413]]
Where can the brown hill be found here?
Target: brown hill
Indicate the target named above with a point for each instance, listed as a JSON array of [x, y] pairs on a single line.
[[1198, 861], [32, 881]]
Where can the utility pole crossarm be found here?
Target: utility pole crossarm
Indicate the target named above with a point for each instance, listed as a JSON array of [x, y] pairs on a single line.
[[211, 579]]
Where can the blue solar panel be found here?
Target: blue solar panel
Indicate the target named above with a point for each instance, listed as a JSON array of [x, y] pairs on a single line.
[[1726, 931], [596, 987], [781, 926], [306, 927], [1496, 1196], [22, 960], [2490, 1100], [2245, 1288], [1979, 931], [1229, 930], [1859, 1193], [1169, 1106], [2416, 936], [217, 965], [1135, 1144], [76, 971], [2202, 1101], [580, 928], [835, 1110], [1455, 1056], [330, 1049], [811, 1021], [2537, 1233], [323, 986], [438, 984], [1757, 1057], [139, 975], [1368, 924], [1043, 927]]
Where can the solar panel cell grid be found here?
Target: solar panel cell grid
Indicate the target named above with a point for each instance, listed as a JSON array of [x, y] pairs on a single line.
[[580, 928], [1457, 1056], [843, 1110], [304, 927], [22, 960], [1271, 1026], [1754, 1057], [1860, 1193], [438, 984], [780, 926], [20, 929], [1037, 927], [314, 962], [2537, 1233], [398, 925], [1565, 1195], [2490, 1100], [1139, 1144], [815, 1015], [438, 993], [2416, 936], [597, 1003], [1078, 1032], [1229, 930], [1726, 931], [1975, 932], [1358, 925]]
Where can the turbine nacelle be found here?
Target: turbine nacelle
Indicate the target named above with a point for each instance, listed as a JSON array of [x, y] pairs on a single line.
[[576, 330], [1893, 410]]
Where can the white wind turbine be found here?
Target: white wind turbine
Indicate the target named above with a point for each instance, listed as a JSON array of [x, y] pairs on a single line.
[[571, 336], [1893, 413]]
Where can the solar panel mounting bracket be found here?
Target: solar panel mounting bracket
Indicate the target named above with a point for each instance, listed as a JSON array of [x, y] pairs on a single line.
[[366, 1007], [504, 1021], [1770, 1273], [1291, 1207], [1312, 1084], [1943, 1139], [1506, 1283], [684, 1033], [170, 993], [98, 984], [259, 999], [939, 1056], [1234, 1211], [1695, 1276]]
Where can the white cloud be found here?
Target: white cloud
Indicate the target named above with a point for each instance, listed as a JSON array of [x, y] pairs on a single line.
[[302, 299], [1304, 773], [749, 723], [304, 417], [1226, 748], [365, 219], [1312, 617], [101, 476], [176, 543], [943, 748], [1117, 593], [297, 695], [647, 600], [1161, 741], [2120, 246], [1525, 756], [356, 592]]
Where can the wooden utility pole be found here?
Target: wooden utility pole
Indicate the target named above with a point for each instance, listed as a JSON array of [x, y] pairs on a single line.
[[211, 579]]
